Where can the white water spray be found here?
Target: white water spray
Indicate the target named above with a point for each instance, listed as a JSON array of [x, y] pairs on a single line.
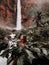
[[18, 23]]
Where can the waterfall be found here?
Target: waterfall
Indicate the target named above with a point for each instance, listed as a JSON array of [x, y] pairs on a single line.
[[18, 22]]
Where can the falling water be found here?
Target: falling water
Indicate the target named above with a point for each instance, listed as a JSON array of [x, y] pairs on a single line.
[[18, 23]]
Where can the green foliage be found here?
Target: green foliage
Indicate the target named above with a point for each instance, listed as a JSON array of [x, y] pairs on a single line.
[[36, 38], [2, 33]]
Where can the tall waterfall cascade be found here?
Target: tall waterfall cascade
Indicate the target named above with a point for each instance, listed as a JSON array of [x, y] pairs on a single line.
[[18, 22]]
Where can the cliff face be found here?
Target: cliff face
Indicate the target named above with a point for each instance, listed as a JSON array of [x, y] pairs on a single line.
[[8, 11]]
